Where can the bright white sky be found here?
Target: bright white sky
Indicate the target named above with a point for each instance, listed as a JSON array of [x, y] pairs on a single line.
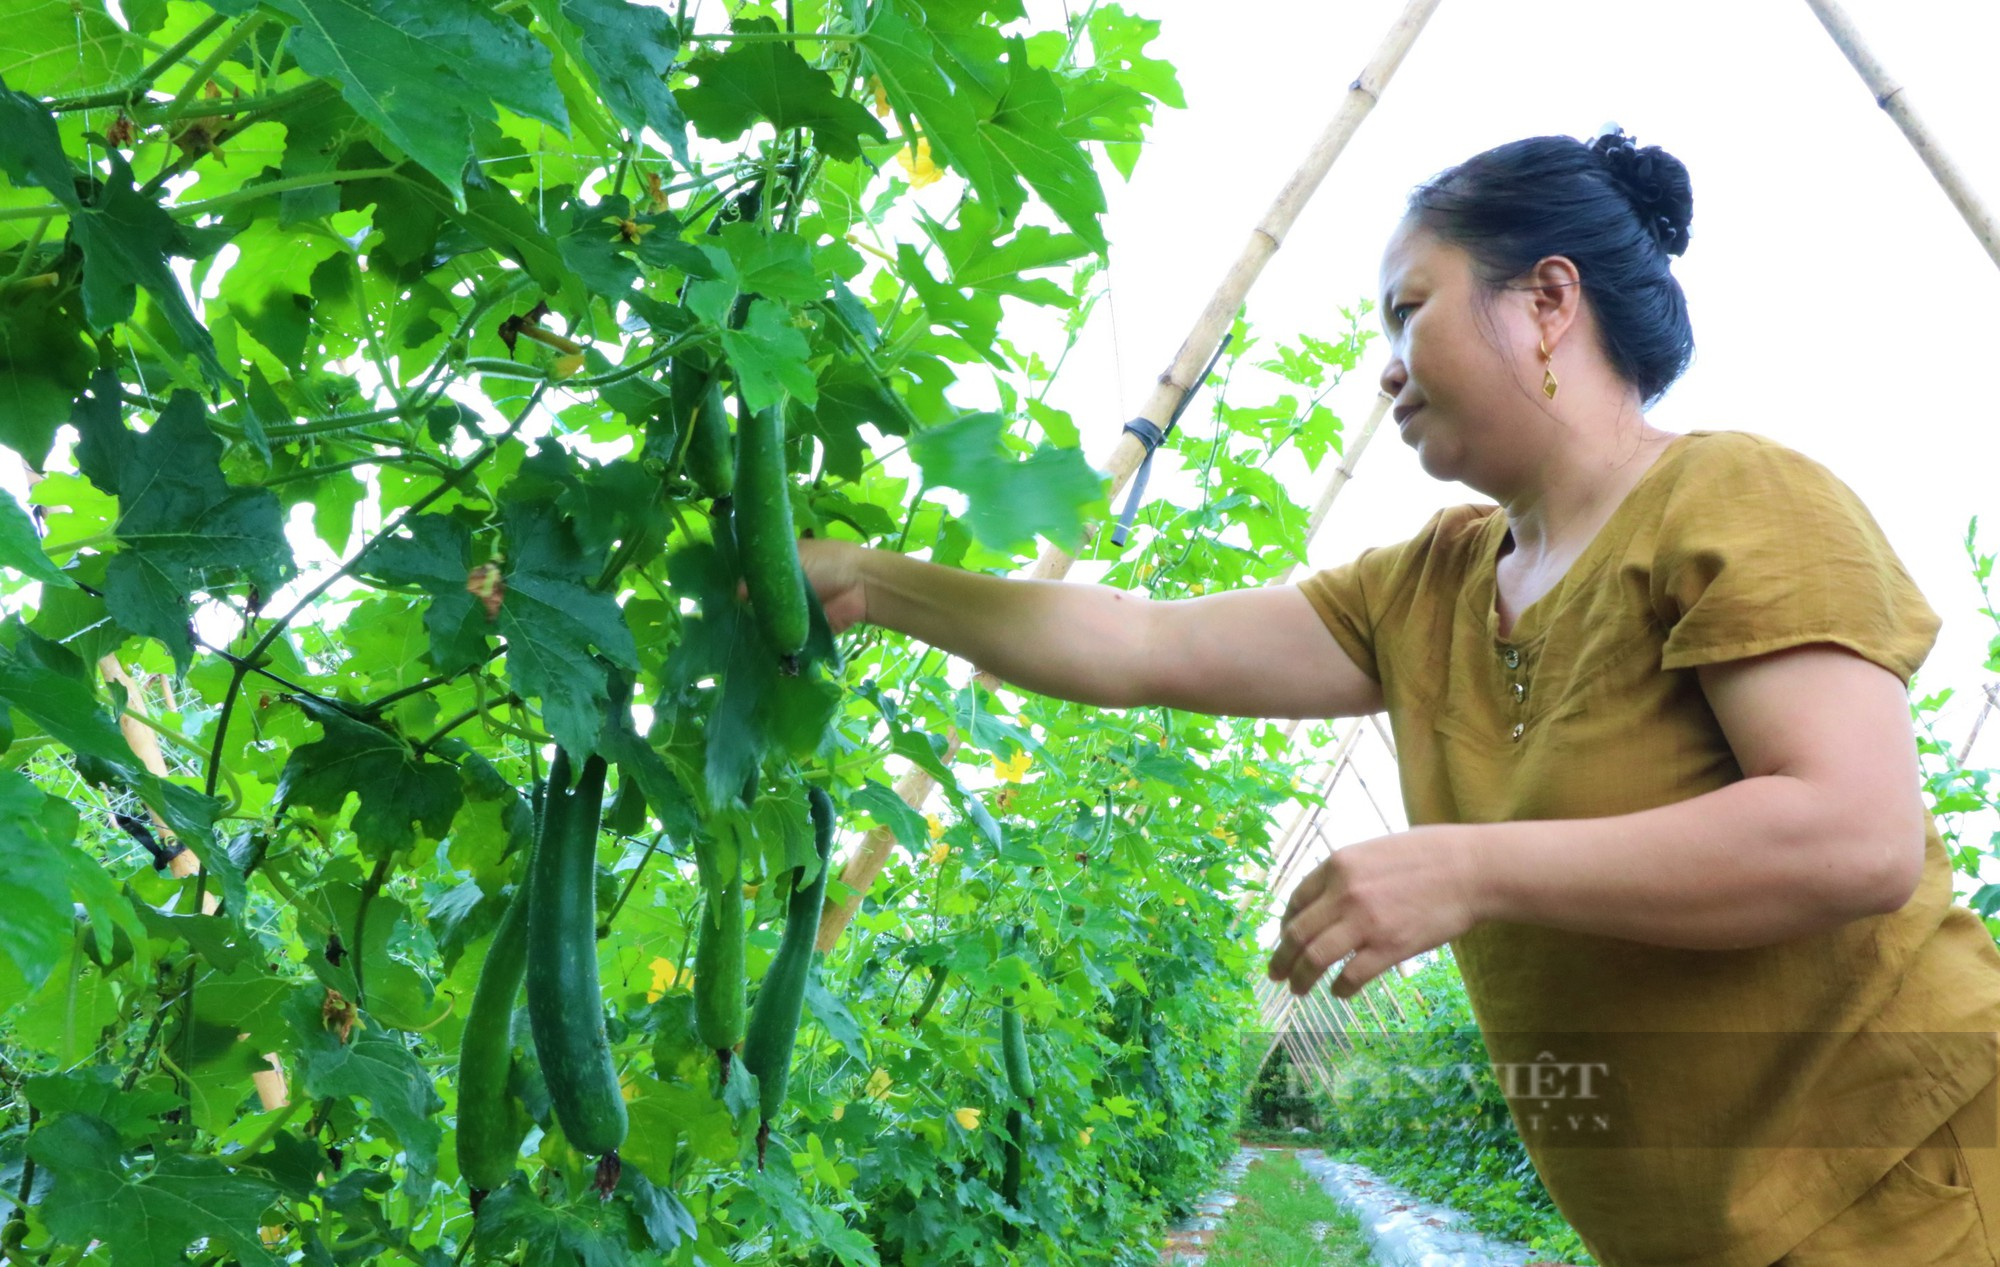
[[1840, 305]]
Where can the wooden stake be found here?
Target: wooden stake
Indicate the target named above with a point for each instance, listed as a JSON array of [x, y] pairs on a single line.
[[1896, 104], [865, 864]]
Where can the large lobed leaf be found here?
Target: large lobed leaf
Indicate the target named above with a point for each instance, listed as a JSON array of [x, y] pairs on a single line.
[[149, 1220], [181, 524], [400, 789], [424, 71]]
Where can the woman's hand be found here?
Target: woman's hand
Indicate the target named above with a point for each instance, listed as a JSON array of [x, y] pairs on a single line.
[[1381, 901], [833, 569]]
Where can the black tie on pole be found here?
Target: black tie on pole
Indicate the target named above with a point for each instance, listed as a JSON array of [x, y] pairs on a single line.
[[1152, 436]]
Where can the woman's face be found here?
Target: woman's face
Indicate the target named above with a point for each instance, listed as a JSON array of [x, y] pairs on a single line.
[[1464, 364]]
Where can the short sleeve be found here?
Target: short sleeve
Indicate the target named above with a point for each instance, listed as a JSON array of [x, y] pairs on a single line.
[[1356, 598], [1761, 549]]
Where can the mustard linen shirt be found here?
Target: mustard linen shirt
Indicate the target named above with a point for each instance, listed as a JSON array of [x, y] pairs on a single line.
[[1683, 1107]]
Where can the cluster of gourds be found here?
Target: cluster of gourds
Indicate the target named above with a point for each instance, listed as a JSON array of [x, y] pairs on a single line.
[[547, 939]]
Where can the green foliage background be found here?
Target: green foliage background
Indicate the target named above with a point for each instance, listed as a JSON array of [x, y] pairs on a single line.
[[338, 334]]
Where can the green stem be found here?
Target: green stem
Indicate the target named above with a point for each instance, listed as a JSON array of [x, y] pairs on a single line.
[[272, 1128], [217, 108], [144, 79], [774, 37], [450, 726], [207, 67], [373, 885], [604, 928], [392, 697], [284, 184], [28, 250]]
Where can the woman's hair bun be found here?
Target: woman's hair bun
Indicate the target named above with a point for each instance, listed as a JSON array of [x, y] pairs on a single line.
[[1654, 182]]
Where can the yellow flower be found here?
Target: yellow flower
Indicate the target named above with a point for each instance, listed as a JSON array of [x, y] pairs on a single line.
[[1013, 771], [881, 95], [967, 1118], [920, 167], [665, 977], [566, 365], [939, 854], [839, 1111], [878, 1086], [750, 891], [937, 825], [629, 230], [1083, 1137]]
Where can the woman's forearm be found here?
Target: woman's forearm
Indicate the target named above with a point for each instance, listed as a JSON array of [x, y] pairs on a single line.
[[1755, 862], [1072, 641]]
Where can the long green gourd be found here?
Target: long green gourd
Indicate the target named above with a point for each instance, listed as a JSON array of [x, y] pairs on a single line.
[[774, 1021], [565, 1003]]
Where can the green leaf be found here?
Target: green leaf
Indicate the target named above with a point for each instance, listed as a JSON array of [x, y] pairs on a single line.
[[400, 790], [1025, 132], [769, 81], [31, 150], [898, 51], [126, 238], [770, 265], [554, 622], [183, 527], [44, 362], [769, 357], [630, 48], [65, 707], [145, 1221], [373, 1066], [437, 555], [890, 810], [95, 1091], [981, 260], [53, 47], [21, 547], [424, 71], [34, 884], [588, 1231], [1009, 501], [497, 217]]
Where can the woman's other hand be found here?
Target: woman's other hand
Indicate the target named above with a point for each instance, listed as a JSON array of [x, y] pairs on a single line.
[[1381, 901]]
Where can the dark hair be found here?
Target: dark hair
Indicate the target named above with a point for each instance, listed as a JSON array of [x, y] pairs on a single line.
[[1613, 209]]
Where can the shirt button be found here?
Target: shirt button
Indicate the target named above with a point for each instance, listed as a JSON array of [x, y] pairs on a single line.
[[1518, 730], [1512, 657], [1520, 692]]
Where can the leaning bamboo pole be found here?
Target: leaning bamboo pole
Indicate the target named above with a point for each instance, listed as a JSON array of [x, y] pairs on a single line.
[[859, 871], [269, 1082], [1896, 104]]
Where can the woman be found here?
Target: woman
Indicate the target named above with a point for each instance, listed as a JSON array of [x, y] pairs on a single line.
[[1654, 739]]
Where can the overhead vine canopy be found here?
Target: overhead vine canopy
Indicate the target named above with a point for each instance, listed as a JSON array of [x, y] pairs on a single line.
[[383, 374]]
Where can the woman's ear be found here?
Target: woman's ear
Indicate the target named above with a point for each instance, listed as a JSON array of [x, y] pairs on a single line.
[[1555, 289]]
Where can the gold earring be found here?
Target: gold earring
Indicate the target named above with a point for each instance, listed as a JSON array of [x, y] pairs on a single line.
[[1549, 384]]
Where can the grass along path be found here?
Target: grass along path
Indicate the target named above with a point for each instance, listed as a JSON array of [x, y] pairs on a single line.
[[1283, 1218]]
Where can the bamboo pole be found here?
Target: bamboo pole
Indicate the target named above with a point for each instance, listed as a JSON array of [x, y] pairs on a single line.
[[1992, 702], [1896, 104], [1343, 471], [858, 873], [272, 1092]]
